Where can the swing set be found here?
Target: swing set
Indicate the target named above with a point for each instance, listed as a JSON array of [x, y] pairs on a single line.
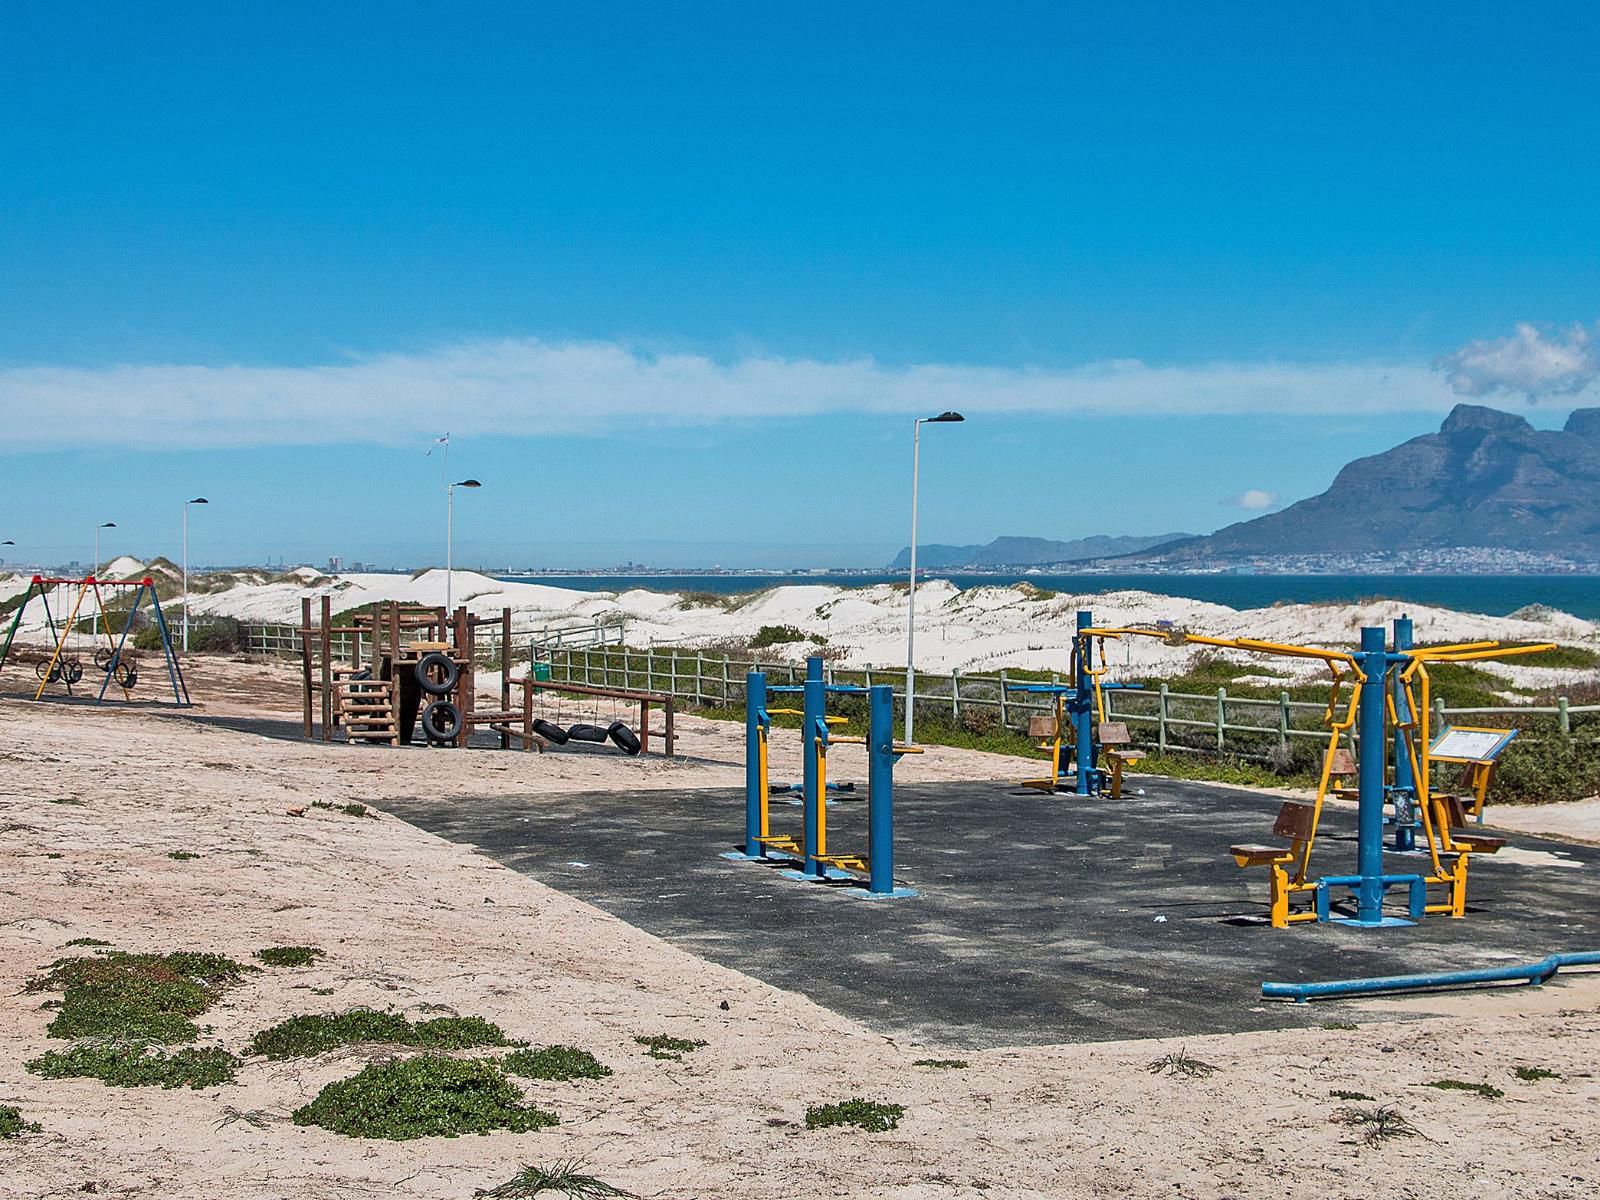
[[112, 657]]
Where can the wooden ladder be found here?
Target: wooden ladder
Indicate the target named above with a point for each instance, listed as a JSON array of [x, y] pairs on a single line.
[[368, 712]]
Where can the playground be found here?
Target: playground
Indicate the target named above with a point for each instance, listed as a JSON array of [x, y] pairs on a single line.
[[1059, 946]]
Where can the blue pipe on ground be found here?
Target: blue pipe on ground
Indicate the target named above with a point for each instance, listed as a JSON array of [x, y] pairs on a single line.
[[1531, 973]]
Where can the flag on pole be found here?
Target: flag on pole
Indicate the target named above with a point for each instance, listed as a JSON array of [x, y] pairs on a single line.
[[438, 441]]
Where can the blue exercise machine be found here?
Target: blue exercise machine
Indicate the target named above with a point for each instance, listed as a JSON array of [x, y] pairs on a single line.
[[809, 852]]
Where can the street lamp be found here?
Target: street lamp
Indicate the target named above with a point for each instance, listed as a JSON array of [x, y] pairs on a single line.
[[944, 418], [450, 534], [186, 503], [95, 570]]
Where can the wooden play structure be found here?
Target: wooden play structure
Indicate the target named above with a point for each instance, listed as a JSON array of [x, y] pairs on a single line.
[[411, 664]]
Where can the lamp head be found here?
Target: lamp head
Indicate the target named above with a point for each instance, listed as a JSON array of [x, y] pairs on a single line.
[[945, 418], [199, 500], [473, 483], [109, 525]]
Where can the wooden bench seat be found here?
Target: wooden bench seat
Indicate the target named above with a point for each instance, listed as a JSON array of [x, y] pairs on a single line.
[[1454, 811], [1117, 745], [1296, 824]]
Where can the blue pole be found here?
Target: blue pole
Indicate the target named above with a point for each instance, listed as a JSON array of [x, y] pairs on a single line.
[[880, 790], [815, 709], [1083, 705], [1405, 793], [755, 715], [1533, 973], [1372, 748]]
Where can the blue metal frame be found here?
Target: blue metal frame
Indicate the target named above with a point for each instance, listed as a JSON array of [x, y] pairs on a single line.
[[1533, 973]]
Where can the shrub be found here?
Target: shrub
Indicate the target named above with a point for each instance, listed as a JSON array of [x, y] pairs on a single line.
[[289, 956], [555, 1062], [873, 1116], [136, 997], [423, 1097], [300, 1037], [1549, 769], [664, 1045], [776, 635], [137, 1066], [12, 1124]]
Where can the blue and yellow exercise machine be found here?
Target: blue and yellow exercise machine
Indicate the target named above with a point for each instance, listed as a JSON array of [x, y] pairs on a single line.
[[1389, 689], [809, 851], [1080, 708]]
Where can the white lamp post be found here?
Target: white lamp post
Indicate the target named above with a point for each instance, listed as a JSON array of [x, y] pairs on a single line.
[[944, 418], [186, 503], [450, 535], [95, 570]]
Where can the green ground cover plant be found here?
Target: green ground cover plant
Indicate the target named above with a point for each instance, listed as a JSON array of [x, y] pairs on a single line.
[[942, 1064], [289, 956], [665, 1046], [146, 998], [12, 1123], [303, 1036], [428, 1096], [1487, 1091], [555, 1062], [123, 1065], [349, 810], [873, 1116]]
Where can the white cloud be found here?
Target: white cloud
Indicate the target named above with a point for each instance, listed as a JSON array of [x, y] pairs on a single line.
[[1253, 499], [529, 386], [1529, 362]]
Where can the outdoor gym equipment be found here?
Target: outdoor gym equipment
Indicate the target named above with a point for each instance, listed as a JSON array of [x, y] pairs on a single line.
[[1388, 688], [810, 849], [112, 658], [1080, 706]]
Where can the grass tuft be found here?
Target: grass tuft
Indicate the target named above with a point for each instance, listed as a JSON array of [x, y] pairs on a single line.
[[87, 941], [1534, 1074], [1376, 1125], [182, 855], [873, 1116], [12, 1125], [303, 1036], [141, 998], [423, 1097], [561, 1178], [290, 956], [122, 1065], [1180, 1064], [665, 1046], [1340, 1094], [1345, 1025], [942, 1064], [1487, 1091], [349, 810], [555, 1062]]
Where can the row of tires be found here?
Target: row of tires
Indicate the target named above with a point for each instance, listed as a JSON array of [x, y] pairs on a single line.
[[441, 722]]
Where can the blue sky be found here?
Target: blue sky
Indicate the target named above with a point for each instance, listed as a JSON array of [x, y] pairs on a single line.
[[677, 279]]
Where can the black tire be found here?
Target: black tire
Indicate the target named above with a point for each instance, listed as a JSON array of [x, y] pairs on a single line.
[[44, 670], [445, 663], [586, 733], [72, 670], [125, 675], [441, 721], [626, 739], [104, 656], [550, 731]]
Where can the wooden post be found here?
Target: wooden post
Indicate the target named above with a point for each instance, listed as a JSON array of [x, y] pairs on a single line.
[[1003, 723], [305, 662], [1222, 713], [644, 727], [1563, 717], [505, 670], [326, 646], [466, 684], [724, 681], [955, 695], [672, 738], [1283, 719], [1161, 719], [699, 680]]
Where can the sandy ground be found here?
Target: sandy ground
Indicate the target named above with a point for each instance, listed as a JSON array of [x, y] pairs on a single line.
[[92, 802]]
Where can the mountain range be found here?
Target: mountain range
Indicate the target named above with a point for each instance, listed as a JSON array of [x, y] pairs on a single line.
[[1030, 551], [1486, 479]]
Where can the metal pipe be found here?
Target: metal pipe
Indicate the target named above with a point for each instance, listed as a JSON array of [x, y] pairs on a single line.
[[1372, 750], [1533, 973], [755, 711], [1405, 830], [1083, 706], [814, 710]]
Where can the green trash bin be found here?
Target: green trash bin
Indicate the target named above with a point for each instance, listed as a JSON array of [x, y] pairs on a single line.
[[541, 672]]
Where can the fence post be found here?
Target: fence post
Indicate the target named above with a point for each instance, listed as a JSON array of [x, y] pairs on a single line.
[[955, 695], [1222, 713], [672, 675], [1004, 723], [1563, 717], [1161, 720], [725, 681], [1283, 719]]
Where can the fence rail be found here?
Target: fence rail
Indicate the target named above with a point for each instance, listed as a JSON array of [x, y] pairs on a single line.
[[1158, 717]]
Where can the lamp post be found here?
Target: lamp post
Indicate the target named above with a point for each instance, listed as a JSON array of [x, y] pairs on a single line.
[[186, 503], [95, 570], [944, 418], [450, 535]]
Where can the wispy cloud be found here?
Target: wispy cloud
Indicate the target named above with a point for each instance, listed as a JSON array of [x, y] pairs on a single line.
[[1530, 363], [1252, 500], [531, 386]]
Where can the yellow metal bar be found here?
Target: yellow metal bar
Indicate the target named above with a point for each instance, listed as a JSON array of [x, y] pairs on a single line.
[[1477, 655], [822, 797], [761, 759], [61, 641]]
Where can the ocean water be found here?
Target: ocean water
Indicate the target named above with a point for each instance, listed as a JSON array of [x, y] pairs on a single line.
[[1496, 595]]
